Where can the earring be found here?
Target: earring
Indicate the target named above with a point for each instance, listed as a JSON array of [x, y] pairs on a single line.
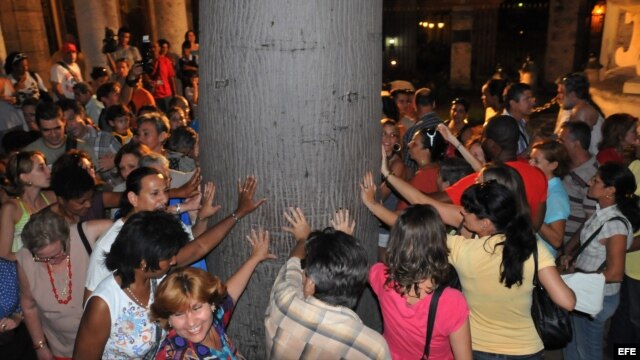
[[29, 183], [169, 323]]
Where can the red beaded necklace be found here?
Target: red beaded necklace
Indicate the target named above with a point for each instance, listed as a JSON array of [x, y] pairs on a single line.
[[69, 285]]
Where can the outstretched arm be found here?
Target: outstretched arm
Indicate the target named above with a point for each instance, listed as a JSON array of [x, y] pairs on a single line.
[[447, 135], [204, 243], [259, 241]]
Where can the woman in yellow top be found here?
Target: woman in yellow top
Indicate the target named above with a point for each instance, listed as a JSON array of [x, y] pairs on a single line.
[[28, 175], [496, 274]]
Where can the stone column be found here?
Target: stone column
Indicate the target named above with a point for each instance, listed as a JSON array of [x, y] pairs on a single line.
[[561, 38], [23, 30], [3, 48], [171, 22], [93, 17], [461, 25]]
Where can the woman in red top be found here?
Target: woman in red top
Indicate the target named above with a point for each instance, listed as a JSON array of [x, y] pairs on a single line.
[[426, 148], [619, 135]]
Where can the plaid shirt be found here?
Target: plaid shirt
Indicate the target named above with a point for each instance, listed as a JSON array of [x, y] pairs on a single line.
[[103, 143], [299, 328]]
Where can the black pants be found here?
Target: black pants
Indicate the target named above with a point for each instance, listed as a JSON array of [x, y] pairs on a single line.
[[625, 323]]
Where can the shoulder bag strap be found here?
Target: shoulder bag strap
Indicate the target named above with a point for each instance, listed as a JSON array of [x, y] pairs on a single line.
[[66, 67], [578, 179], [433, 306], [586, 243], [83, 237], [624, 221]]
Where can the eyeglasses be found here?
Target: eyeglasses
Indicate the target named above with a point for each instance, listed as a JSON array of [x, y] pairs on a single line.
[[55, 258]]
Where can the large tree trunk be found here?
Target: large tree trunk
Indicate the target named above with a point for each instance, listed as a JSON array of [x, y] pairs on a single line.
[[290, 93]]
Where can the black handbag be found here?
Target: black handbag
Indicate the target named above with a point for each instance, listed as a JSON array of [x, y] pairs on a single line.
[[551, 321]]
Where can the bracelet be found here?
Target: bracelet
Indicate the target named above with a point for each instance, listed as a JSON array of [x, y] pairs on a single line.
[[384, 178], [39, 345], [235, 217]]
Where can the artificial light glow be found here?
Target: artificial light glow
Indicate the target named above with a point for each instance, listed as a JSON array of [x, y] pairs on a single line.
[[598, 9], [431, 25], [420, 23], [392, 41], [440, 25], [394, 63], [520, 4]]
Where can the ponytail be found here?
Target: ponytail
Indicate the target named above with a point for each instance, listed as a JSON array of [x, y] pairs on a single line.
[[517, 248]]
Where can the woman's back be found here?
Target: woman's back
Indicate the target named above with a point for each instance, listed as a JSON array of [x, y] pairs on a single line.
[[405, 324], [500, 317]]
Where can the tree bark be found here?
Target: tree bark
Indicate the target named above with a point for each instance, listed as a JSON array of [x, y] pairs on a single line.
[[290, 93]]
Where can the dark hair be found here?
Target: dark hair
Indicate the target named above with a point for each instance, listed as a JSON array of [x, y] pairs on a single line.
[[453, 169], [115, 111], [134, 148], [122, 30], [162, 42], [151, 236], [622, 179], [71, 181], [17, 139], [434, 142], [389, 108], [105, 89], [73, 105], [514, 92], [553, 150], [48, 111], [145, 109], [417, 250], [504, 131], [69, 158], [462, 101], [182, 139], [337, 264], [579, 131], [495, 87], [83, 88], [614, 129], [98, 72], [12, 59], [186, 35], [497, 203], [578, 84], [509, 177], [134, 184], [424, 97], [186, 44]]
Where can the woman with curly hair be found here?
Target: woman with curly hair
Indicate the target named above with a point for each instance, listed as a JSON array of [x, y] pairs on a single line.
[[415, 266]]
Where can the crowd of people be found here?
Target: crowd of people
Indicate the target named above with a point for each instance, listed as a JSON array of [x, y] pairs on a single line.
[[104, 225]]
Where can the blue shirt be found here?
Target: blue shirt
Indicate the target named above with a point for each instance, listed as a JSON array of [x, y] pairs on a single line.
[[557, 207]]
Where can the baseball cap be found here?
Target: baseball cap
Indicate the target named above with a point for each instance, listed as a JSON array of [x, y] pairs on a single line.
[[68, 47]]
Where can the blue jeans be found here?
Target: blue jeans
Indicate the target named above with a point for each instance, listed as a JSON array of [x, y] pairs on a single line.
[[479, 355], [588, 335]]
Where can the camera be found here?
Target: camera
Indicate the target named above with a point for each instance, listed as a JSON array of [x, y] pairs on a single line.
[[109, 43], [147, 55]]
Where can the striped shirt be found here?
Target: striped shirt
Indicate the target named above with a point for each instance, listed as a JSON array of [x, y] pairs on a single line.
[[576, 183], [307, 328]]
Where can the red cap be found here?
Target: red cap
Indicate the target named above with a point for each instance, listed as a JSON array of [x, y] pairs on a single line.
[[68, 47]]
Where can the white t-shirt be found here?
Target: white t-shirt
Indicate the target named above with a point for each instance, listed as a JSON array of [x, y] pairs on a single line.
[[63, 76]]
